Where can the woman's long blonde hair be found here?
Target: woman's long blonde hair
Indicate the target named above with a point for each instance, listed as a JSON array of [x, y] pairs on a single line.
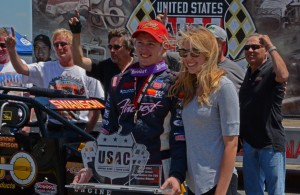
[[208, 78]]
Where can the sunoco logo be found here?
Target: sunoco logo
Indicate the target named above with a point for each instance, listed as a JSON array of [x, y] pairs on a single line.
[[45, 188]]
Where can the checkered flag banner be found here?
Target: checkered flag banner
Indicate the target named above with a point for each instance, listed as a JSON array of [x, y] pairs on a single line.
[[144, 11], [235, 20], [238, 25]]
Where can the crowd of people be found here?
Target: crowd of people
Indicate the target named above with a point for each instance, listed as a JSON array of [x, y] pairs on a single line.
[[207, 100]]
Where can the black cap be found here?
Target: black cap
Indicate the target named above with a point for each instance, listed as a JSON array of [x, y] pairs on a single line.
[[45, 39]]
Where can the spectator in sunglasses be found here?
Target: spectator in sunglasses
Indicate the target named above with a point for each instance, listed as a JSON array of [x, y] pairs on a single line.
[[210, 115], [233, 71], [120, 46], [261, 96], [6, 69], [60, 74], [8, 75]]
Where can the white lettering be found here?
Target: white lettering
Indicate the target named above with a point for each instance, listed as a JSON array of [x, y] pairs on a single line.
[[145, 108], [138, 71], [207, 8]]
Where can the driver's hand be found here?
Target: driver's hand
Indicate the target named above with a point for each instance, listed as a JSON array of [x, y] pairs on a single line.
[[174, 185], [83, 176]]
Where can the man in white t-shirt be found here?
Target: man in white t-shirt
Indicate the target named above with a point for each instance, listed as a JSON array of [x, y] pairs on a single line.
[[60, 74], [8, 75]]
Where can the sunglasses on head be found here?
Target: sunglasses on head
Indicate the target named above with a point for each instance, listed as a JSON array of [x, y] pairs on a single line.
[[115, 47], [184, 52], [253, 47], [3, 45], [62, 44]]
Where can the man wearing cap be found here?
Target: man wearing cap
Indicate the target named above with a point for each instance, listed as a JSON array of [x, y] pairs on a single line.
[[138, 104], [234, 72], [42, 48], [121, 49]]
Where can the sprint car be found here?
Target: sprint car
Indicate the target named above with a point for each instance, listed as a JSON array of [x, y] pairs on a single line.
[[33, 163]]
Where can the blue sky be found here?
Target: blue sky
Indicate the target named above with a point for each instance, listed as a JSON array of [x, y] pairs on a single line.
[[17, 13]]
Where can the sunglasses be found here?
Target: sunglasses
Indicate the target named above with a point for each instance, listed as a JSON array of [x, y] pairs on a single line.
[[253, 47], [184, 52], [62, 44], [3, 45], [115, 47]]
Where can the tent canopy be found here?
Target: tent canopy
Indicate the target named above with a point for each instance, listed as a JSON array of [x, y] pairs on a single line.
[[23, 46]]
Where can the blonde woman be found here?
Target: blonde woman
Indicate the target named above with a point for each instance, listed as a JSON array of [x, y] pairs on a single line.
[[210, 115]]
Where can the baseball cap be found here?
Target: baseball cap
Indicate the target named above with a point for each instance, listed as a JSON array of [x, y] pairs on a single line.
[[218, 32], [154, 28], [45, 39]]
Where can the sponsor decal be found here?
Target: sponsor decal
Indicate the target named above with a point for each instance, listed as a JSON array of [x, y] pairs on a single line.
[[106, 113], [7, 115], [151, 92], [178, 113], [7, 185], [122, 91], [127, 85], [107, 104], [105, 122], [8, 145], [7, 139], [8, 142], [76, 104], [25, 41], [180, 138], [179, 135], [178, 123], [155, 93], [157, 85], [22, 168], [139, 71], [45, 188], [145, 108]]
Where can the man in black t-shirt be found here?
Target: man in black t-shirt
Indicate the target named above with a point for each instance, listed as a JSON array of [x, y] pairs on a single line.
[[263, 135], [121, 50]]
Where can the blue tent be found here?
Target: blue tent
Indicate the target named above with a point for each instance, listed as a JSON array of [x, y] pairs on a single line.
[[24, 46]]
